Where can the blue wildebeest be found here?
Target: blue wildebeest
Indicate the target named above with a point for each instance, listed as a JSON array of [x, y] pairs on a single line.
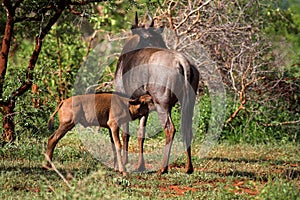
[[146, 66]]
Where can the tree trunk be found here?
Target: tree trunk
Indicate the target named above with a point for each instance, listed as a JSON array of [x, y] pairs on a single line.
[[7, 107], [5, 45], [8, 122]]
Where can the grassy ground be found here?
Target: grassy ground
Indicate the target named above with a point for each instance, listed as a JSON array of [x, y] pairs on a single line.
[[228, 172]]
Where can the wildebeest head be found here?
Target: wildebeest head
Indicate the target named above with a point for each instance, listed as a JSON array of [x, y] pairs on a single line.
[[144, 36]]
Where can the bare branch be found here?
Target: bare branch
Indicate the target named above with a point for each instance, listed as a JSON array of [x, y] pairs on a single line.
[[84, 2], [191, 13], [282, 123], [235, 113], [233, 42]]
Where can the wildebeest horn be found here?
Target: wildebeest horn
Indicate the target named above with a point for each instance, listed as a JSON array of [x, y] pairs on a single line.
[[151, 19], [136, 20]]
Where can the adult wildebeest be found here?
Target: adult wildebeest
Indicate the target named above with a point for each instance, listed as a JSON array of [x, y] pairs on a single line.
[[146, 66], [107, 110]]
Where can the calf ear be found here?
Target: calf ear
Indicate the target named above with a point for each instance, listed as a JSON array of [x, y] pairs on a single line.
[[134, 102], [146, 99]]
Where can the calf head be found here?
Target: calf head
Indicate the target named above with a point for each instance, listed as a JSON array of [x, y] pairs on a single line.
[[141, 106]]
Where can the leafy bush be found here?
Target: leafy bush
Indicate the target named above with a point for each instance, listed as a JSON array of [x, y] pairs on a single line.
[[258, 125]]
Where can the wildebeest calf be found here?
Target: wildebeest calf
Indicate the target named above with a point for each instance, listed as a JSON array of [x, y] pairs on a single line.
[[106, 110]]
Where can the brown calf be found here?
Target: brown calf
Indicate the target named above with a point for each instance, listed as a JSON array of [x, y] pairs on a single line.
[[106, 110]]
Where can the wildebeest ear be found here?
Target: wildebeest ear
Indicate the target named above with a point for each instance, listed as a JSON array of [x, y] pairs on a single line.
[[131, 44], [160, 29]]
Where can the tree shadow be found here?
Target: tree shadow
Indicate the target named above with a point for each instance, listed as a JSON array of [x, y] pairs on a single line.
[[287, 169], [290, 174], [251, 161]]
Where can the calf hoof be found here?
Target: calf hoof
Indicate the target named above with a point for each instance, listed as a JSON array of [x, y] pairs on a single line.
[[116, 169]]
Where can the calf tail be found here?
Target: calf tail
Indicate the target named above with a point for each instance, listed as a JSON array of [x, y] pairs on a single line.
[[51, 118]]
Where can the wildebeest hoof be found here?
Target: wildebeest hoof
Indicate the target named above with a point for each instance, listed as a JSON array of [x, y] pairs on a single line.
[[189, 170], [163, 171], [141, 168], [124, 174]]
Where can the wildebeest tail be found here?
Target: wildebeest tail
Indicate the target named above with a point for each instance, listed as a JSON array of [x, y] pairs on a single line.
[[51, 118], [188, 102]]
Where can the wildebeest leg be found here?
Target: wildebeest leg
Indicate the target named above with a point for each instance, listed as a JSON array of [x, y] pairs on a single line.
[[114, 150], [169, 129], [125, 138], [53, 140], [187, 140], [115, 134], [141, 139], [187, 134]]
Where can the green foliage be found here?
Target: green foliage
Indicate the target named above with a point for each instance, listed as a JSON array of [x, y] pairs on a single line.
[[262, 124], [283, 24], [203, 109], [114, 16], [61, 57], [64, 51]]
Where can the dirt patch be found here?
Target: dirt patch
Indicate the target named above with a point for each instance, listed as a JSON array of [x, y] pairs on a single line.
[[177, 190], [245, 187]]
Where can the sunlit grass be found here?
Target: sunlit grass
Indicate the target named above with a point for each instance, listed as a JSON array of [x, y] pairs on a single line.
[[227, 172]]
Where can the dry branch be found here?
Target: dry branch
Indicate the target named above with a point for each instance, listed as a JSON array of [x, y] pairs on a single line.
[[233, 42], [282, 123]]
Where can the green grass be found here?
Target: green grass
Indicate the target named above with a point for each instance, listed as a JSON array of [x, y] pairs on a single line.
[[238, 171]]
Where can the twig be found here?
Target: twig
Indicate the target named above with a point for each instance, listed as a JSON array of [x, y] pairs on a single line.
[[241, 107], [191, 13], [56, 170], [282, 123]]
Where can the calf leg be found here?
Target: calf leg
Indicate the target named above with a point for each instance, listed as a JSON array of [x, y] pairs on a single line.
[[53, 140], [114, 150], [125, 138], [115, 134], [141, 139]]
